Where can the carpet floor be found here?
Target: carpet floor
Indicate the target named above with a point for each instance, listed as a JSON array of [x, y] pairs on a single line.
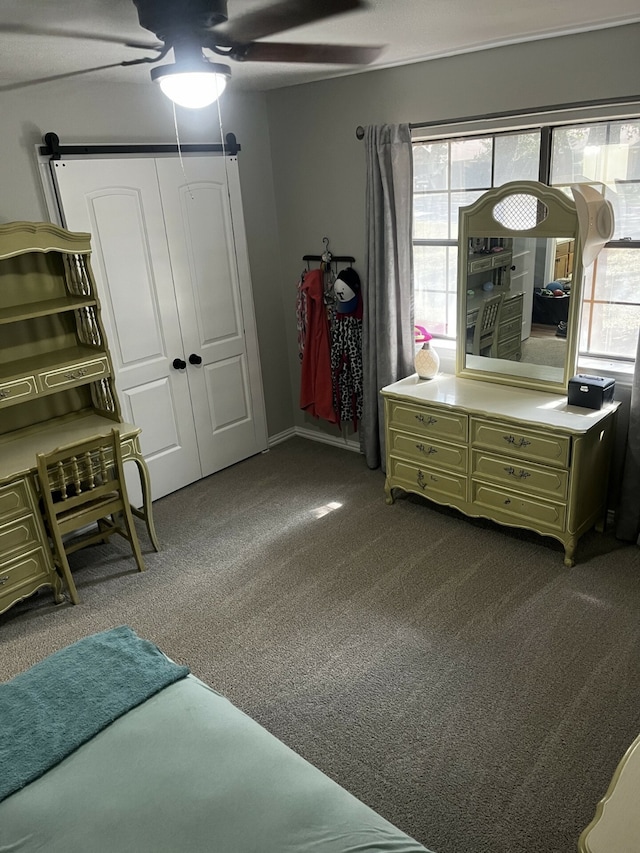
[[451, 673]]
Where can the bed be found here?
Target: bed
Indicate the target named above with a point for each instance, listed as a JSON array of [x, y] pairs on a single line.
[[108, 746]]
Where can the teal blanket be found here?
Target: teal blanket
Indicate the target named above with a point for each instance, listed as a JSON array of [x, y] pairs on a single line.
[[60, 703]]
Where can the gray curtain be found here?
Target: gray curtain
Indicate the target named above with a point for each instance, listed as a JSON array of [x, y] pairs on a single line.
[[387, 322], [628, 512]]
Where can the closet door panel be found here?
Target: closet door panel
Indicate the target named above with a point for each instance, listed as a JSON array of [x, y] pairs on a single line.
[[216, 307], [118, 203], [230, 424], [212, 276], [136, 340], [160, 436]]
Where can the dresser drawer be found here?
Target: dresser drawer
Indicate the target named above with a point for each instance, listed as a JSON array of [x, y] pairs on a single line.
[[18, 390], [510, 440], [524, 476], [453, 457], [521, 510], [432, 482], [427, 421], [18, 536], [512, 308], [480, 264], [509, 348], [510, 329], [14, 500], [76, 374], [23, 575]]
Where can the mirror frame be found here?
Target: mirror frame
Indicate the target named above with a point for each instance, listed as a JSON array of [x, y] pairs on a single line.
[[476, 220]]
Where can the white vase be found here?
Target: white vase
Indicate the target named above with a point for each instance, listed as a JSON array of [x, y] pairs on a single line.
[[427, 361]]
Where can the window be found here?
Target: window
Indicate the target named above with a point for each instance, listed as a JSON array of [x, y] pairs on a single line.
[[450, 173], [607, 155]]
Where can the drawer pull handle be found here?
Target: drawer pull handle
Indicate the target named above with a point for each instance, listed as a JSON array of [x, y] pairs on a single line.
[[508, 501], [76, 374], [3, 394], [430, 420], [421, 480], [4, 580], [511, 439], [521, 474], [426, 450]]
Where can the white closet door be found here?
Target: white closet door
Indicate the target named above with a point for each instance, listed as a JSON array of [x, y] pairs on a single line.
[[118, 203], [205, 232]]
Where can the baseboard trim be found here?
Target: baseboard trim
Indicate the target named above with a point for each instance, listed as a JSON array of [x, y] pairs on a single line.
[[336, 441], [279, 437]]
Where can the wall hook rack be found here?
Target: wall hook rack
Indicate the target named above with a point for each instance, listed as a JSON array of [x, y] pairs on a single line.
[[328, 257]]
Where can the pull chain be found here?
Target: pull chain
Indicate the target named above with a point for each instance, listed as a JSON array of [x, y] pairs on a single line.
[[184, 174]]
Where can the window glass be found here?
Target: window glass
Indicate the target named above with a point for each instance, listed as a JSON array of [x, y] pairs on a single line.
[[435, 274], [471, 163], [431, 166], [576, 156], [517, 157], [430, 216], [459, 200]]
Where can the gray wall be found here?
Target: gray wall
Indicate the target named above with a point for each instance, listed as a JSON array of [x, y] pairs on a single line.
[[81, 111], [318, 163]]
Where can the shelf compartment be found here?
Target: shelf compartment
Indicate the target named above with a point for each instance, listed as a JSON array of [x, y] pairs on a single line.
[[16, 313]]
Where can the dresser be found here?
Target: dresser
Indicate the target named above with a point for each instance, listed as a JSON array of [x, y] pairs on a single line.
[[522, 458], [55, 388]]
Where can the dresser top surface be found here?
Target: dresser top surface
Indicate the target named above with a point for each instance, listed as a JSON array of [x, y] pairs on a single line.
[[493, 400]]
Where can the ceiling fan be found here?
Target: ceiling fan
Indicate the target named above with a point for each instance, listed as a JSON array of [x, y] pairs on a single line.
[[190, 27]]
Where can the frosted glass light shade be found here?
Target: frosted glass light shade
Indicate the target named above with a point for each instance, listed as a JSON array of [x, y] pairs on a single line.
[[193, 88]]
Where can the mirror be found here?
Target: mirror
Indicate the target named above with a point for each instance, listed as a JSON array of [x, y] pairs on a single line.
[[519, 287]]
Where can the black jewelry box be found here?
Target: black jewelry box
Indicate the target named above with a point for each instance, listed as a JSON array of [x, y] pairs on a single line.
[[591, 392]]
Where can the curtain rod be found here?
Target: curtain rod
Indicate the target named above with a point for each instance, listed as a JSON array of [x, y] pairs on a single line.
[[574, 105]]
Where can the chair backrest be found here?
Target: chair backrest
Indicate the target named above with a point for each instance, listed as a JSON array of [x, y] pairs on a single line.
[[86, 471], [487, 324]]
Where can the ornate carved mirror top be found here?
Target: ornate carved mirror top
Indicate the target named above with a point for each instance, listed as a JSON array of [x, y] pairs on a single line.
[[519, 283]]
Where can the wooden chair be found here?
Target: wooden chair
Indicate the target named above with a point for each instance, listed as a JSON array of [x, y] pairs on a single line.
[[83, 484], [481, 340]]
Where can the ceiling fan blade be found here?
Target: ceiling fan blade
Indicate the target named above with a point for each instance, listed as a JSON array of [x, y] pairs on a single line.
[[26, 30], [279, 17], [10, 87], [335, 54]]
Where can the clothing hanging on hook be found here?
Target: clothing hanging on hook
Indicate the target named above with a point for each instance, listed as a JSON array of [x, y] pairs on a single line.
[[316, 387], [346, 349]]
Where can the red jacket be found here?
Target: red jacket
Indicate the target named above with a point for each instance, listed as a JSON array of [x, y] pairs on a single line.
[[316, 390]]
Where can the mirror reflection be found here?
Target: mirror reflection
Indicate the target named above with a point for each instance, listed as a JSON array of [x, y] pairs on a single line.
[[518, 292]]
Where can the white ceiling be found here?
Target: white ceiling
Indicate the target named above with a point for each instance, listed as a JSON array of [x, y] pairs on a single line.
[[411, 30]]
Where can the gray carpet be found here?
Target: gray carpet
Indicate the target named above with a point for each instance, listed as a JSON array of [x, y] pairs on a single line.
[[450, 673]]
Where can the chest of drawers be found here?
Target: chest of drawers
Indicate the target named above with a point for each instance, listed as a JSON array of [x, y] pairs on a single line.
[[520, 458]]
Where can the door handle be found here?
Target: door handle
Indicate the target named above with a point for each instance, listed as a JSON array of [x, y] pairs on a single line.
[[194, 358], [179, 364]]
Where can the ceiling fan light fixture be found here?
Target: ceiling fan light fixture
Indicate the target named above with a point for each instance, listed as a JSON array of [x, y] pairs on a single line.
[[192, 86]]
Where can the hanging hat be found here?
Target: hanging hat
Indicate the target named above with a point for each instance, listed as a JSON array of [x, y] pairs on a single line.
[[595, 217], [346, 288]]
